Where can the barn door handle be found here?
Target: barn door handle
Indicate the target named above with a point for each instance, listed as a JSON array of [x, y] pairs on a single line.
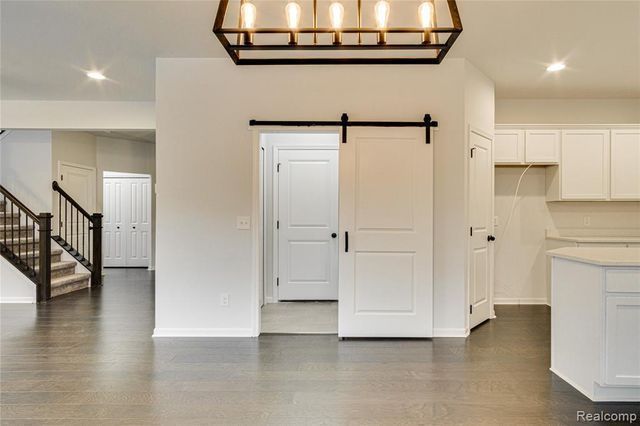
[[346, 242]]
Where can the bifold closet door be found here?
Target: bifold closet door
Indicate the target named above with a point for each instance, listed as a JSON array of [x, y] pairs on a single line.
[[113, 226], [386, 233], [127, 222]]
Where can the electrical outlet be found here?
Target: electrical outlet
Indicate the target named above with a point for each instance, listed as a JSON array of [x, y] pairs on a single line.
[[224, 299], [587, 221], [243, 222]]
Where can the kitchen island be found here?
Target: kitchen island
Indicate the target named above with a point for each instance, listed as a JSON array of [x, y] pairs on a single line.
[[595, 320]]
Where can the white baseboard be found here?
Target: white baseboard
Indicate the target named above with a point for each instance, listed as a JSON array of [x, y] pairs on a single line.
[[450, 332], [17, 300], [203, 332], [520, 301]]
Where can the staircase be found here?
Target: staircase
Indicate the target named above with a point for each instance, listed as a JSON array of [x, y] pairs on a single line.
[[21, 231]]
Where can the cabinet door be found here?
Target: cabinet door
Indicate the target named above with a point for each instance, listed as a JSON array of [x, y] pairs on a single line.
[[508, 147], [542, 146], [585, 165], [625, 164], [622, 336]]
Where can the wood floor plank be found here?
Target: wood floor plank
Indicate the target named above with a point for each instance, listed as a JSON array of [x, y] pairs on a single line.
[[88, 358]]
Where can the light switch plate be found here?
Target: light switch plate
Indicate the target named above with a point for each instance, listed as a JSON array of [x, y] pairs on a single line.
[[243, 222]]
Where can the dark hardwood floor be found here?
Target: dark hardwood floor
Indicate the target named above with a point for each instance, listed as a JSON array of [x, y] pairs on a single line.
[[88, 358]]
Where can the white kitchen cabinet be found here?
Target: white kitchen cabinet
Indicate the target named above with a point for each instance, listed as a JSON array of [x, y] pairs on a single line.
[[622, 346], [584, 169], [508, 146], [542, 146], [603, 363], [625, 164]]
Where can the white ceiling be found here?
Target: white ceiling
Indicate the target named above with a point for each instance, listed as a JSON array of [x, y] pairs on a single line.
[[47, 45]]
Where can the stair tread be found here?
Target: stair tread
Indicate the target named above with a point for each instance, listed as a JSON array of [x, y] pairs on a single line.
[[60, 265], [68, 279], [54, 252]]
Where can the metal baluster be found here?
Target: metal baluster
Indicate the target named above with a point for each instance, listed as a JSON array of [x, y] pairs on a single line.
[[33, 243], [5, 221], [65, 220], [71, 226], [83, 234], [11, 220], [59, 214]]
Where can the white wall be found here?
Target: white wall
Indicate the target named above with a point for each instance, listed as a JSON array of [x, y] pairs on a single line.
[[25, 172], [204, 166], [26, 167], [520, 263], [567, 111], [77, 115]]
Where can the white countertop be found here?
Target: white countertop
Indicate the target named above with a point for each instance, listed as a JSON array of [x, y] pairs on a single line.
[[602, 256], [581, 239]]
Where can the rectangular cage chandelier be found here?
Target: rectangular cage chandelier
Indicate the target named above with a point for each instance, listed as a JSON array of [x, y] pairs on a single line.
[[299, 32]]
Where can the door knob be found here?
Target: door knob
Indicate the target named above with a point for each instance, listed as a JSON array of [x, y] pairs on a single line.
[[134, 227], [491, 238], [334, 235], [117, 227]]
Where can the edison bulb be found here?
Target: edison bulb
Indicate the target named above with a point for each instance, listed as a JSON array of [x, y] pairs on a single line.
[[425, 13], [381, 11], [336, 15], [248, 13], [293, 12]]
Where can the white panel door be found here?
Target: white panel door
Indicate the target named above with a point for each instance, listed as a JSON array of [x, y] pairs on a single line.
[[113, 226], [80, 183], [625, 164], [585, 165], [308, 224], [481, 222], [386, 233], [138, 216]]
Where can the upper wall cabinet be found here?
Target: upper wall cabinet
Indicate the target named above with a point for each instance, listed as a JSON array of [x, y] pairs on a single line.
[[517, 146], [508, 147], [584, 172], [542, 146], [625, 164]]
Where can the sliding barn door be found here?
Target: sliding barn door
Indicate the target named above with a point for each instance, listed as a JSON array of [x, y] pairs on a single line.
[[386, 233]]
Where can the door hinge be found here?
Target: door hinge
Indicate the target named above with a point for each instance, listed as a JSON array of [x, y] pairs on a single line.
[[471, 231], [278, 168], [472, 149], [470, 309], [278, 282], [61, 178], [277, 224]]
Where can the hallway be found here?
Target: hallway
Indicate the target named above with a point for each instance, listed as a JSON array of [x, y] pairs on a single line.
[[89, 356]]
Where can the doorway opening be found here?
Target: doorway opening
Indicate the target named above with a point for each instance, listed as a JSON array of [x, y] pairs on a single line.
[[127, 223], [298, 180]]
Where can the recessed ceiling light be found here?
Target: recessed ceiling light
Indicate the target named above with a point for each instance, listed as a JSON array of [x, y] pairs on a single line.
[[96, 75], [558, 66]]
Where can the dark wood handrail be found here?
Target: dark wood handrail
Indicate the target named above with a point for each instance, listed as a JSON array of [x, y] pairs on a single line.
[[71, 201], [18, 203]]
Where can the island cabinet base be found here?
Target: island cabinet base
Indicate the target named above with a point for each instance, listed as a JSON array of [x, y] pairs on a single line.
[[595, 328]]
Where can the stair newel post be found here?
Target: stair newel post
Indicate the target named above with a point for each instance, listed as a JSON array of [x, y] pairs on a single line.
[[96, 261], [44, 257]]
